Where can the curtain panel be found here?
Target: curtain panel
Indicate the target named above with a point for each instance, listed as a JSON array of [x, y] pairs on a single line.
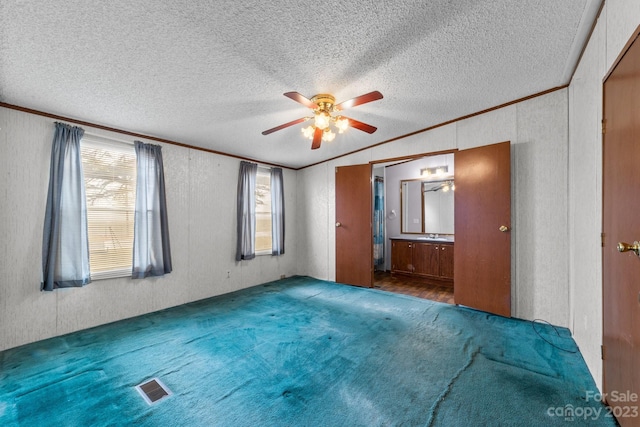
[[151, 246], [246, 211], [65, 245], [277, 212], [378, 222]]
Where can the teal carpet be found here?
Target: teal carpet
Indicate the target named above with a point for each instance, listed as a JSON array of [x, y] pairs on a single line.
[[304, 352]]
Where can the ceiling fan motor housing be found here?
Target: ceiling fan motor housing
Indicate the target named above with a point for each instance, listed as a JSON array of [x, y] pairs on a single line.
[[324, 101]]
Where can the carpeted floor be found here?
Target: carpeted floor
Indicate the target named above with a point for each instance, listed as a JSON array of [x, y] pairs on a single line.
[[304, 352]]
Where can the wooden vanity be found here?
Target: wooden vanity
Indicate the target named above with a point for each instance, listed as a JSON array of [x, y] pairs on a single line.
[[430, 259]]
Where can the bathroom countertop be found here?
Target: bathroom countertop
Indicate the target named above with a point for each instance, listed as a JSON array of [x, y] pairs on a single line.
[[439, 239]]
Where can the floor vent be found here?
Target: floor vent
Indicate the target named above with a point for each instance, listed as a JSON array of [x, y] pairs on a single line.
[[153, 390]]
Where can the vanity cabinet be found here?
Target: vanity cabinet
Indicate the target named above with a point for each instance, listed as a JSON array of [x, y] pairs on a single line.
[[446, 260], [401, 257], [428, 259]]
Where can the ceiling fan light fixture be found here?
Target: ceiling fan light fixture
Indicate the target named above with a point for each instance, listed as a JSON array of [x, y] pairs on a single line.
[[322, 120], [308, 132], [328, 135], [323, 106], [342, 124]]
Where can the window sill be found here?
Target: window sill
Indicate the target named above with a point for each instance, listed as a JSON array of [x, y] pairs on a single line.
[[113, 274]]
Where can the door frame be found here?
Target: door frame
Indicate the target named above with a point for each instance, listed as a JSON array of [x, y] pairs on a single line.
[[398, 160]]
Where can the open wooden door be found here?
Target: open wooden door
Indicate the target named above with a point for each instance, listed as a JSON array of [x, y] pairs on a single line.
[[354, 238], [482, 267], [620, 225]]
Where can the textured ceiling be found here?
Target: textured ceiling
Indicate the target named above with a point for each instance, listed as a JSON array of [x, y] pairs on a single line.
[[212, 74]]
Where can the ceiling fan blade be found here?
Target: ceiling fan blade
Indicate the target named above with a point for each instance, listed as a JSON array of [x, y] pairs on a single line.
[[286, 125], [360, 126], [301, 99], [317, 139], [358, 100]]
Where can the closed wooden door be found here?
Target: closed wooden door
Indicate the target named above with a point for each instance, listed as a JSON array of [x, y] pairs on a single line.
[[354, 238], [482, 266], [621, 223]]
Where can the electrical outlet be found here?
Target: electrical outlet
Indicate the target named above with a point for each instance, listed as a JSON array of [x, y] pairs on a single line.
[[282, 276], [228, 274]]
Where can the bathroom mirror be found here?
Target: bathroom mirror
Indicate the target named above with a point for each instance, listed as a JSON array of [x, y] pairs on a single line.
[[427, 206]]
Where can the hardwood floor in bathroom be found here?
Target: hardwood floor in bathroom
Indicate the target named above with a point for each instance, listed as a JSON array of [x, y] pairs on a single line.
[[414, 287]]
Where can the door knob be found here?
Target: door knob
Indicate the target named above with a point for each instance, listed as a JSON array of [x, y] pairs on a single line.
[[625, 247], [503, 228], [338, 224]]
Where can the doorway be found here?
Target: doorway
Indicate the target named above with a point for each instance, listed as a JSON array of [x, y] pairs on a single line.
[[415, 205], [483, 252]]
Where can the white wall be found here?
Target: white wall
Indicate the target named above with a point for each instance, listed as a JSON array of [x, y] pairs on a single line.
[[538, 131], [617, 23], [201, 199]]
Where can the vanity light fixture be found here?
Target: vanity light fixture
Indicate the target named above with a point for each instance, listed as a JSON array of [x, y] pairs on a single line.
[[434, 171]]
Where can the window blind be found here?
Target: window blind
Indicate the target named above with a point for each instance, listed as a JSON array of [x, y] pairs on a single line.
[[110, 184]]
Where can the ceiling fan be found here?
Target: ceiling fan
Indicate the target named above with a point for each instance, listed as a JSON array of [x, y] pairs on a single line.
[[323, 105]]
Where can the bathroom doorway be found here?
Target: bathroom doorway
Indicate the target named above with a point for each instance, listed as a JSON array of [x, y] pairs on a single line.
[[413, 201]]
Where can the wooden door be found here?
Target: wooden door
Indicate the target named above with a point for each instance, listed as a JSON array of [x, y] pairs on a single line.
[[621, 223], [426, 259], [482, 266], [401, 257], [354, 238]]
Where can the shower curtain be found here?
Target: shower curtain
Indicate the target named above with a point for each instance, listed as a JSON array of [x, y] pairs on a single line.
[[378, 222]]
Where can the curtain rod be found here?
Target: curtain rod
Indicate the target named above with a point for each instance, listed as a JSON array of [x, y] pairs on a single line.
[[130, 142]]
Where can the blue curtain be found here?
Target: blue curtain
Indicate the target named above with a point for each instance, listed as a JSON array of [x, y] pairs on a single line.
[[246, 212], [277, 212], [65, 243], [378, 222], [151, 248]]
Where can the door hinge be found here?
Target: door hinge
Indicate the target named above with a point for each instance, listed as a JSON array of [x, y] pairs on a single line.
[[604, 126], [602, 239], [602, 352]]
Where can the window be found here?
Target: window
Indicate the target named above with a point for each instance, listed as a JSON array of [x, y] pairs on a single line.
[[110, 184], [263, 211], [260, 212]]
